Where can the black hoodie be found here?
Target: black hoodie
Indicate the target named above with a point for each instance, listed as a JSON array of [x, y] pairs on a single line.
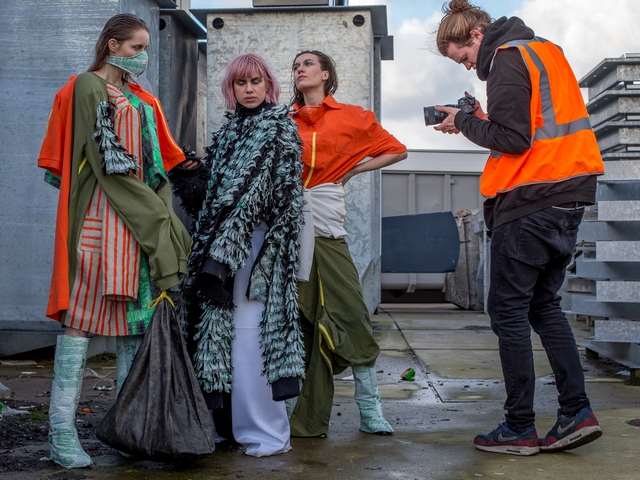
[[509, 131]]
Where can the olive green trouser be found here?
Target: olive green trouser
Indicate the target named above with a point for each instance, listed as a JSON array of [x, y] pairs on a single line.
[[337, 333]]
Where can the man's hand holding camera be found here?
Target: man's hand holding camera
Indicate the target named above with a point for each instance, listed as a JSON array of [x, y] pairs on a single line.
[[444, 115], [448, 124]]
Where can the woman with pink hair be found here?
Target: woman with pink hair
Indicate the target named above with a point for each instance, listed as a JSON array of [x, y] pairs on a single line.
[[240, 288]]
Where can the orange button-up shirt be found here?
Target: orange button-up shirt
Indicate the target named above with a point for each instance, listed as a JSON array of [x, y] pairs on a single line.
[[336, 137]]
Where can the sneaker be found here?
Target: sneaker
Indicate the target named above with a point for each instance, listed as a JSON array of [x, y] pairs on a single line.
[[571, 432], [505, 440]]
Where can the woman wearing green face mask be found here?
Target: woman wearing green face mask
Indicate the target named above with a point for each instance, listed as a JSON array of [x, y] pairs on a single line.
[[118, 243]]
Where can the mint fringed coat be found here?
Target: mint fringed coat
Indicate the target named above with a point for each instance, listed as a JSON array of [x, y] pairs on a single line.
[[256, 167]]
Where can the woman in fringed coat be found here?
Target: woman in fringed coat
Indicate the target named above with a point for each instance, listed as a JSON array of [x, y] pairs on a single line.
[[241, 291]]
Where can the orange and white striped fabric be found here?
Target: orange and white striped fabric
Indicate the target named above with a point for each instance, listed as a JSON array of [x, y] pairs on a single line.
[[108, 257], [126, 125]]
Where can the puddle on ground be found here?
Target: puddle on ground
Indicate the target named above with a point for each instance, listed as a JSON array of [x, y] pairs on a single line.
[[467, 398], [422, 393]]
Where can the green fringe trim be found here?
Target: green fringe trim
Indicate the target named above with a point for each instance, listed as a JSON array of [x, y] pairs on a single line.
[[116, 160], [213, 358]]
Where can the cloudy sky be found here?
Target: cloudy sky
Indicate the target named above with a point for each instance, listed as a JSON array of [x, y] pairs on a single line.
[[588, 31]]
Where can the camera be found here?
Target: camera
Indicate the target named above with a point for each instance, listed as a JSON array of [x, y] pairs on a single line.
[[432, 116]]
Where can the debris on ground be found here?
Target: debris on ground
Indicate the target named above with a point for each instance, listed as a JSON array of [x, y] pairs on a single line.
[[20, 363], [408, 374], [5, 392], [91, 373], [7, 411]]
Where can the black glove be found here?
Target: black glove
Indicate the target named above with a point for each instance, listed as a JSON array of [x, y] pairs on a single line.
[[190, 184], [190, 155]]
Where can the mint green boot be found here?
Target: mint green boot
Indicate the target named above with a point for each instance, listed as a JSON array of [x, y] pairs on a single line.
[[290, 403], [368, 399], [68, 372], [126, 349]]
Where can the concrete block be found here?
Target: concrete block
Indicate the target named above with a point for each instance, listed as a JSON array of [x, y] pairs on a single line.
[[598, 270], [99, 345], [617, 330], [610, 72], [621, 171], [578, 285], [613, 105], [592, 231], [617, 155], [607, 251], [627, 190], [611, 211], [412, 281], [628, 138], [618, 291], [278, 35], [12, 343], [587, 305], [625, 353]]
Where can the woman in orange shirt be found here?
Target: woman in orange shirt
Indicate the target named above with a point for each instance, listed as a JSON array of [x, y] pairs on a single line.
[[336, 137]]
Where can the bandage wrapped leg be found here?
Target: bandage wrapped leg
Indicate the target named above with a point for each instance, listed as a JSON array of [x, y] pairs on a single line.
[[68, 372], [291, 405], [368, 399], [126, 349]]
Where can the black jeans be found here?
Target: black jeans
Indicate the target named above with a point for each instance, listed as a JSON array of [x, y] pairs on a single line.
[[528, 261]]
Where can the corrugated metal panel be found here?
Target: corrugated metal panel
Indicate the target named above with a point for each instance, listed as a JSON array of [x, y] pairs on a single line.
[[33, 70]]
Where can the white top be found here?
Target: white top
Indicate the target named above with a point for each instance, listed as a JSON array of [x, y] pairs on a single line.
[[329, 210]]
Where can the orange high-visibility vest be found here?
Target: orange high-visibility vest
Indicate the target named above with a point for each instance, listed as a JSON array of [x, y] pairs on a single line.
[[563, 144]]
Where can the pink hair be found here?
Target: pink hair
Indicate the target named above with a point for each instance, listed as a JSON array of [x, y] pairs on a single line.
[[249, 65]]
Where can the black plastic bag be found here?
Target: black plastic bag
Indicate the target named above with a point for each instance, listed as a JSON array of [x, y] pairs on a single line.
[[160, 413]]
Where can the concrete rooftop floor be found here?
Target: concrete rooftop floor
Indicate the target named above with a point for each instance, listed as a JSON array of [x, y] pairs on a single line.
[[457, 393]]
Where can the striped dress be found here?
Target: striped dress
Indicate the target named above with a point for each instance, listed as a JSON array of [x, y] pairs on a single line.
[[105, 295]]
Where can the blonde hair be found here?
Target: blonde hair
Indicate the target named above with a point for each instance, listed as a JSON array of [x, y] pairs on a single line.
[[455, 27]]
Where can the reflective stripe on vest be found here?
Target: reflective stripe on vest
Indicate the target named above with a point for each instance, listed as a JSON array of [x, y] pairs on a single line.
[[551, 129], [538, 164]]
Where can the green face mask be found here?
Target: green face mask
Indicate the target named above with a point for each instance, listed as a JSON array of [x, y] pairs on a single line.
[[135, 65]]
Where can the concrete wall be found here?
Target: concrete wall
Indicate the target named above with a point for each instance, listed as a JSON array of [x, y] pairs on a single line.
[[32, 70], [278, 36], [203, 135]]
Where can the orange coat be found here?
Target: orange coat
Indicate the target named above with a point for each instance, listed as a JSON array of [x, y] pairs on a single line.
[[563, 143], [336, 137], [56, 156]]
